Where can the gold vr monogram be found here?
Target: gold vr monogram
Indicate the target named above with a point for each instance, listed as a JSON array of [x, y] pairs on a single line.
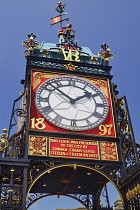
[[74, 55], [71, 55]]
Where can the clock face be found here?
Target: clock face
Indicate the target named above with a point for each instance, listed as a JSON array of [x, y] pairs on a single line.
[[71, 103]]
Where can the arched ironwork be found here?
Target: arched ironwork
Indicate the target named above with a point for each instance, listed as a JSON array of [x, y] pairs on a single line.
[[38, 169], [85, 200]]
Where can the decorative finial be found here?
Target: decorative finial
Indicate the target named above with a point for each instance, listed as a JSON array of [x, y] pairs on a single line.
[[31, 36], [60, 7], [105, 53], [3, 141], [116, 92], [31, 44]]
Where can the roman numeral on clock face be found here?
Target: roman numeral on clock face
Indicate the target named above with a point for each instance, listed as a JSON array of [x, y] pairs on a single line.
[[97, 115], [73, 123], [88, 122], [99, 105], [71, 83], [58, 83], [54, 85], [58, 118], [46, 99], [47, 109]]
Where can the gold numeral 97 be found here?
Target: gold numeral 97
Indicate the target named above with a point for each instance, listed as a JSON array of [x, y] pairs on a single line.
[[105, 129]]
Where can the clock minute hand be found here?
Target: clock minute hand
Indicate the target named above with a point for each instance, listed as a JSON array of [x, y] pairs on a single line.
[[64, 94]]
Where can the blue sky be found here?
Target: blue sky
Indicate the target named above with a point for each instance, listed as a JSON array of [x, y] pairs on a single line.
[[95, 22]]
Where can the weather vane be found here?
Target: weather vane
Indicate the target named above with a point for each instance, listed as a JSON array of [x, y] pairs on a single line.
[[66, 34], [58, 19]]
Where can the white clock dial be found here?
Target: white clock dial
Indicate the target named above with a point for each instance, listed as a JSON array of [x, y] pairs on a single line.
[[71, 103]]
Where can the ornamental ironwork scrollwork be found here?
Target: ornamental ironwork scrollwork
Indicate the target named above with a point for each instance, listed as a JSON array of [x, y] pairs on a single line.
[[113, 173], [10, 196], [127, 141], [16, 145], [18, 115], [33, 197], [11, 175], [37, 168], [86, 200], [19, 112], [132, 193], [11, 186]]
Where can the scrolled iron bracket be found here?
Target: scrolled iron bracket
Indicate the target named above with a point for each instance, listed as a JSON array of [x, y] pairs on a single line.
[[125, 132]]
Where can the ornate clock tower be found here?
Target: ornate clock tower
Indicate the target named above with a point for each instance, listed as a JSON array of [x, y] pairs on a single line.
[[73, 134]]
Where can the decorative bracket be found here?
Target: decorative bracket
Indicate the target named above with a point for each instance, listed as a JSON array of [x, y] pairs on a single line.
[[127, 141]]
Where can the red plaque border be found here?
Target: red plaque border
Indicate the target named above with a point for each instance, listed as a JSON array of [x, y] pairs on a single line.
[[73, 148], [80, 148]]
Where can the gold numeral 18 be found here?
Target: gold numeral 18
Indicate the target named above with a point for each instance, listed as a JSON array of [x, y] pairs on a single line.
[[105, 129], [38, 123]]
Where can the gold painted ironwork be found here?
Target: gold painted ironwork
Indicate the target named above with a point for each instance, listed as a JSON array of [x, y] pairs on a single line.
[[3, 141], [50, 164], [70, 66], [133, 192], [97, 168], [125, 131], [75, 167], [105, 53], [31, 44]]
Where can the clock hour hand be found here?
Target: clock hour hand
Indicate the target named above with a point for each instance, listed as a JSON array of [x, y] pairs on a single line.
[[64, 94], [87, 94]]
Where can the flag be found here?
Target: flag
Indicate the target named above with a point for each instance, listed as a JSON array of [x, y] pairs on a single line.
[[55, 20]]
